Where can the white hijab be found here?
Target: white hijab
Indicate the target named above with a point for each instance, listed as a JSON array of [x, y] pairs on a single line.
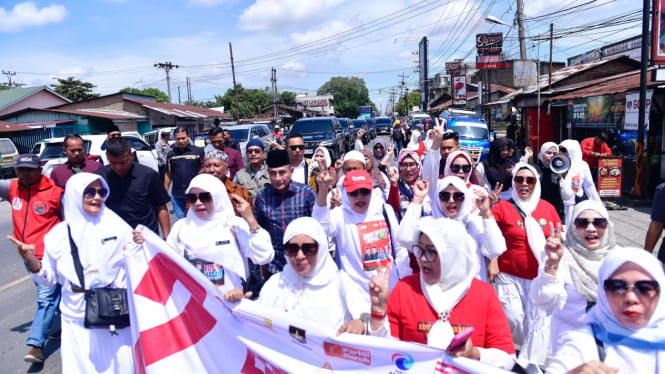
[[100, 239], [534, 232], [577, 164], [200, 235], [326, 154], [451, 158], [544, 148], [609, 330], [458, 267], [466, 206], [414, 142]]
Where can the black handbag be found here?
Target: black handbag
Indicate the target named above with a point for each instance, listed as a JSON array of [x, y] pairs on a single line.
[[104, 307]]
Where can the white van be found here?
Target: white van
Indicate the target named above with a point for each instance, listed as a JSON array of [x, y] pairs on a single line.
[[8, 158]]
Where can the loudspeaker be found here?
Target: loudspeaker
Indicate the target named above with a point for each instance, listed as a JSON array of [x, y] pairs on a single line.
[[560, 163]]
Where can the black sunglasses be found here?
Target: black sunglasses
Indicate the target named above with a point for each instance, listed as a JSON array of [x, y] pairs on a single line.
[[581, 223], [308, 249], [520, 179], [378, 147], [254, 150], [644, 287], [430, 254], [205, 197], [362, 191], [90, 192], [457, 196], [456, 168], [294, 147]]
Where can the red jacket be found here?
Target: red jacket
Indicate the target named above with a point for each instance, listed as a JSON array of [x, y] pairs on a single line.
[[589, 146], [35, 210]]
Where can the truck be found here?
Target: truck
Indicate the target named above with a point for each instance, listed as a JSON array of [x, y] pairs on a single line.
[[366, 112], [473, 133]]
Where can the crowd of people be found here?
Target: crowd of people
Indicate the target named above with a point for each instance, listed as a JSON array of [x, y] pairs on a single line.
[[523, 256]]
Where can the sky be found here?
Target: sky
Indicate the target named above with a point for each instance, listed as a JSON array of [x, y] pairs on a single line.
[[115, 43]]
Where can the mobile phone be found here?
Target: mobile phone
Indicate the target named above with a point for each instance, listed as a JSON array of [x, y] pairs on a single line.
[[460, 339]]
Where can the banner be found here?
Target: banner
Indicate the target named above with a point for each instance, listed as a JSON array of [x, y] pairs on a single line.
[[604, 111], [459, 87], [633, 110], [609, 176], [181, 323]]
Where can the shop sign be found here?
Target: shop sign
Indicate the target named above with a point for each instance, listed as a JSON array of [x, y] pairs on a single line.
[[609, 176]]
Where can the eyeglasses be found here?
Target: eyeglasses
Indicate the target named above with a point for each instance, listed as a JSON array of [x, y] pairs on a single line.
[[647, 288], [205, 197], [294, 147], [430, 254], [378, 147], [458, 197], [362, 191], [90, 192], [581, 223], [410, 165], [450, 135], [520, 179], [308, 249], [254, 150], [116, 135], [456, 168]]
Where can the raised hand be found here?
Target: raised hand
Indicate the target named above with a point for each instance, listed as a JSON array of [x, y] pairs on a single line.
[[393, 175], [554, 245], [241, 205], [336, 198], [324, 180], [379, 289], [138, 237], [495, 195], [420, 190], [236, 295], [27, 252], [483, 202]]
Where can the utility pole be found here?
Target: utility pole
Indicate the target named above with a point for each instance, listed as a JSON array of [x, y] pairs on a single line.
[[189, 91], [167, 66], [9, 75], [549, 78], [274, 92], [520, 29], [235, 88], [179, 95]]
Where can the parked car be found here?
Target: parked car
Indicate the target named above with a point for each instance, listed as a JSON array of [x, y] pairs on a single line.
[[241, 134], [361, 123], [8, 158], [371, 127], [350, 133], [474, 136], [383, 125], [51, 154], [321, 131]]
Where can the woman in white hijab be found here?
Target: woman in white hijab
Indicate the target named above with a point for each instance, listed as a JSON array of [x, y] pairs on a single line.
[[455, 202], [320, 158], [100, 236], [626, 328], [445, 298], [214, 240], [567, 281], [578, 182], [524, 220]]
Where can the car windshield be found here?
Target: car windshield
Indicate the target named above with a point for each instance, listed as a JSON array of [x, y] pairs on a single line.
[[469, 131], [383, 122], [6, 147], [55, 150], [239, 135], [310, 127]]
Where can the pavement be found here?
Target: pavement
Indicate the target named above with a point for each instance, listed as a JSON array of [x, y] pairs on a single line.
[[630, 225]]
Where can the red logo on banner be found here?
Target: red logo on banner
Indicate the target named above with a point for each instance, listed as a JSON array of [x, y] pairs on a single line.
[[182, 331], [348, 353]]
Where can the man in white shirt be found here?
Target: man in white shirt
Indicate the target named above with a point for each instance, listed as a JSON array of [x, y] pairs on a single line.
[[295, 145]]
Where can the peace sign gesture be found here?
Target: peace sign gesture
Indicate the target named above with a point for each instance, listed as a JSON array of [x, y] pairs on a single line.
[[495, 195], [554, 248]]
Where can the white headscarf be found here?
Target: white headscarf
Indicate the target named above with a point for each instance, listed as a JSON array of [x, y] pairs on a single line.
[[463, 210], [584, 263], [100, 239], [451, 158], [577, 164], [458, 267], [199, 235], [414, 142], [534, 232], [326, 154], [608, 329], [544, 148]]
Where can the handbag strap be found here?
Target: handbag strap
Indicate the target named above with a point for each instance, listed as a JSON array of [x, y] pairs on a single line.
[[77, 261]]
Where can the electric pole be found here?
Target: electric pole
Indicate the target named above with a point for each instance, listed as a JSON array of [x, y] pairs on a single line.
[[235, 87], [274, 92], [167, 66], [9, 75], [520, 29]]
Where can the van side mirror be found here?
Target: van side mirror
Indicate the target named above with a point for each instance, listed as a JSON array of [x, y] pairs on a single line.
[[492, 135]]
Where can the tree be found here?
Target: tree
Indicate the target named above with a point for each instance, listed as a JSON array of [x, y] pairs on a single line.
[[250, 100], [287, 98], [74, 89], [403, 107], [349, 94], [160, 96]]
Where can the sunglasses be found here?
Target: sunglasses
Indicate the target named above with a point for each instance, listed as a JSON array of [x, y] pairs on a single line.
[[430, 254], [581, 223], [90, 192], [254, 150], [308, 249], [457, 196], [294, 147], [362, 191], [520, 179], [378, 147], [456, 168], [205, 197], [619, 287]]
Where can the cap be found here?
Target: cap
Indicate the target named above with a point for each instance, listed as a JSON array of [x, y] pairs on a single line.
[[216, 153], [357, 179], [354, 155], [28, 160], [255, 143], [277, 158], [277, 127]]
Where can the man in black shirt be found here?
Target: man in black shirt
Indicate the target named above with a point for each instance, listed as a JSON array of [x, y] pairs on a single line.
[[183, 163], [137, 194]]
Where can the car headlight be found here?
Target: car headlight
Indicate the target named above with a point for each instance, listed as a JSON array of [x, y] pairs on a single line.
[[326, 143]]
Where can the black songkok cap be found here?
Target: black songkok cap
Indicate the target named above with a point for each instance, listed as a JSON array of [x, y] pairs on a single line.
[[277, 158]]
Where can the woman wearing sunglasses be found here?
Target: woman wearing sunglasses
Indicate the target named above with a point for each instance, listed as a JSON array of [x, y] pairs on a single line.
[[100, 237], [578, 183], [460, 164], [625, 330], [567, 280], [213, 239], [525, 221], [445, 298]]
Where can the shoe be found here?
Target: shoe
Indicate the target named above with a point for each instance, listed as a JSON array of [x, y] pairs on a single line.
[[55, 335], [34, 355]]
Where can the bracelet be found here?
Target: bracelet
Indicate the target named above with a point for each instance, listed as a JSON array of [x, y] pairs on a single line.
[[378, 315]]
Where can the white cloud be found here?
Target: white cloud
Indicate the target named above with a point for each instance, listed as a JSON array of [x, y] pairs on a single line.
[[26, 14], [281, 14], [333, 28], [208, 3]]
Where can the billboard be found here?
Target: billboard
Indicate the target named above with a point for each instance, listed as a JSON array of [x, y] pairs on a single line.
[[633, 110], [605, 111], [422, 69], [459, 87], [453, 68], [658, 36], [489, 44]]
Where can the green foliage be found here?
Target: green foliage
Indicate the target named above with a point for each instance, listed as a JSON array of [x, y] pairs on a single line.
[[249, 101], [349, 94], [287, 98], [159, 95], [403, 107], [74, 89]]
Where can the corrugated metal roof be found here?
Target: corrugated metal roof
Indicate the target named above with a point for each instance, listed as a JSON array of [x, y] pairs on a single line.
[[178, 110], [101, 113], [619, 83], [8, 127]]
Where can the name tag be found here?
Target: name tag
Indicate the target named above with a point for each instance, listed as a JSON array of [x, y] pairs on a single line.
[[109, 239], [223, 242]]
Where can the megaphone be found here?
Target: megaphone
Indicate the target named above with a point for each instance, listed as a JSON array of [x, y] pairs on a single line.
[[560, 163]]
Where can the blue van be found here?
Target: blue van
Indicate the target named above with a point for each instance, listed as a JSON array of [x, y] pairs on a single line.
[[474, 136]]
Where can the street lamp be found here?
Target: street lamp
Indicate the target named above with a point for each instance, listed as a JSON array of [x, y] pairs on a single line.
[[492, 19]]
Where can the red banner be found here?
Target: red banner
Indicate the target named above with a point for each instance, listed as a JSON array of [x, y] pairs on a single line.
[[609, 176]]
